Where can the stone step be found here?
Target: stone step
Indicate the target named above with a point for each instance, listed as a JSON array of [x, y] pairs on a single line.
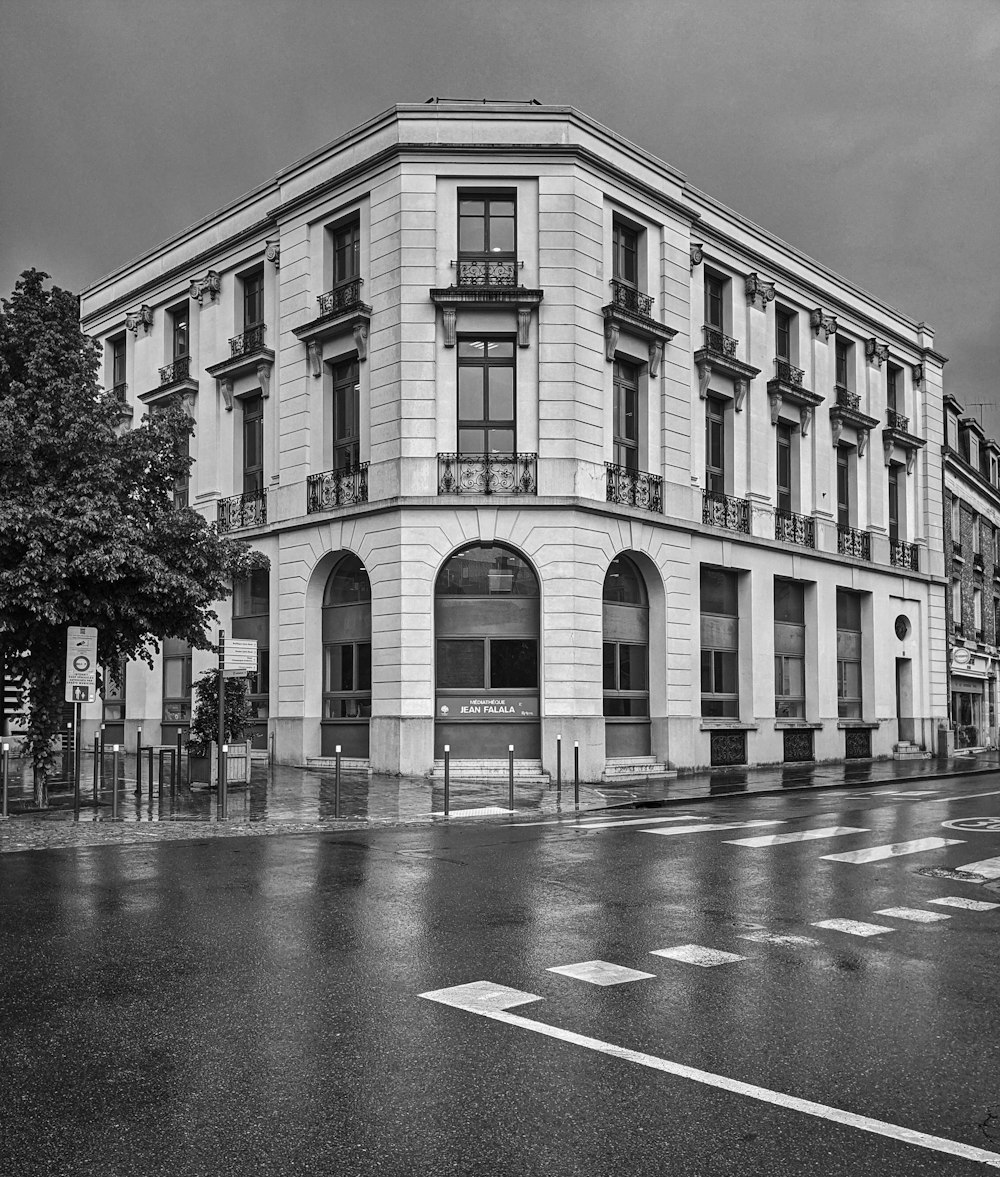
[[352, 764], [491, 770], [618, 768]]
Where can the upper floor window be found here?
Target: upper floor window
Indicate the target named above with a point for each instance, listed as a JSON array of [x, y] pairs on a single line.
[[976, 534], [487, 233], [894, 388], [346, 415], [117, 361], [486, 414], [783, 321], [956, 521], [844, 496], [626, 415], [894, 501], [253, 300], [625, 253], [844, 357], [253, 444], [715, 445], [964, 445], [347, 252], [784, 488], [715, 291], [180, 344], [251, 594]]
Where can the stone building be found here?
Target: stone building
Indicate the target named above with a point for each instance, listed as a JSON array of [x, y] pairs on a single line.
[[541, 442]]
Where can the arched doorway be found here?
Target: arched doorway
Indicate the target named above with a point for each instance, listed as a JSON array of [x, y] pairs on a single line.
[[626, 661], [486, 620], [347, 659]]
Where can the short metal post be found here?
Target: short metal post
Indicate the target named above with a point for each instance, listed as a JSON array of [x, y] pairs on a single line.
[[175, 780], [576, 772], [558, 764], [3, 774], [447, 779], [149, 749], [103, 747], [223, 774], [114, 782], [336, 786], [510, 777], [159, 769], [97, 768], [138, 762]]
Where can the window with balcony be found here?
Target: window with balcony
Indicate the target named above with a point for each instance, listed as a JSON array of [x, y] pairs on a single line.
[[784, 335], [844, 364], [849, 652], [118, 378], [180, 345], [487, 236], [624, 253], [784, 489], [719, 643], [715, 445], [894, 471], [789, 649], [253, 300], [715, 300], [844, 487], [253, 445], [486, 396], [894, 388], [626, 415], [346, 251], [346, 414]]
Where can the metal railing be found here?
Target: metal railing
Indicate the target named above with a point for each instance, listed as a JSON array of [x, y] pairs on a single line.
[[634, 488], [853, 541], [119, 392], [342, 298], [488, 474], [718, 341], [245, 510], [630, 299], [904, 555], [174, 373], [897, 420], [337, 488], [847, 399], [720, 510], [787, 373], [794, 529], [252, 340], [487, 270]]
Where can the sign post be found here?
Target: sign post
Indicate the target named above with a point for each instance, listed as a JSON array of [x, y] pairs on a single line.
[[220, 805], [81, 682]]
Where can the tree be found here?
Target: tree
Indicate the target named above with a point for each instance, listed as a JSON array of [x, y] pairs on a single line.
[[89, 532], [205, 723]]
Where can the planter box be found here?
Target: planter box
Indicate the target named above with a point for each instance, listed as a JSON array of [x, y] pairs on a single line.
[[204, 770]]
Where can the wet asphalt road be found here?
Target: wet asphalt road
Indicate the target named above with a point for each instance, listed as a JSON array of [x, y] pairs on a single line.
[[253, 1006]]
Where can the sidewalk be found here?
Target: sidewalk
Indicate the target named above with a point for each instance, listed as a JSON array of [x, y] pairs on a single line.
[[285, 799]]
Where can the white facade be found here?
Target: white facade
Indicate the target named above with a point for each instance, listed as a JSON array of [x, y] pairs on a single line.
[[596, 377]]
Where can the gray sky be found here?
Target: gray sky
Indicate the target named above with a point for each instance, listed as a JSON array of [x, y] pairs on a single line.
[[864, 132]]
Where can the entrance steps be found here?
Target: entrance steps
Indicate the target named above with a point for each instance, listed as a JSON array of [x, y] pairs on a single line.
[[525, 771], [351, 764], [906, 750], [623, 768]]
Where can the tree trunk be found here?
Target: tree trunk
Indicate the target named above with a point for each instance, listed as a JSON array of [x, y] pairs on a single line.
[[40, 778]]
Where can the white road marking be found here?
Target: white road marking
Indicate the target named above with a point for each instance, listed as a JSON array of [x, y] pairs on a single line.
[[914, 792], [893, 850], [780, 938], [493, 1001], [853, 927], [639, 821], [584, 823], [987, 868], [708, 829], [485, 811], [967, 904], [601, 972], [913, 913], [802, 836], [705, 958]]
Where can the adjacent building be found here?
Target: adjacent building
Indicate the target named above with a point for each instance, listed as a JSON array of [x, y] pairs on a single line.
[[542, 442]]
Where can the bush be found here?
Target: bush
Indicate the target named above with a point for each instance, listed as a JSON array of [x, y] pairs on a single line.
[[205, 724]]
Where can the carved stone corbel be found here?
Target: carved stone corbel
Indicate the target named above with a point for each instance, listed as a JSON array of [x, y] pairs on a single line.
[[361, 340], [264, 377], [740, 387], [862, 442], [911, 457], [143, 318], [918, 375], [226, 388], [448, 321], [822, 322], [876, 353], [696, 255], [194, 290], [704, 378], [611, 334], [774, 400], [272, 251], [836, 429], [805, 418], [887, 450], [759, 293], [211, 284], [523, 325], [314, 356], [655, 355], [187, 404]]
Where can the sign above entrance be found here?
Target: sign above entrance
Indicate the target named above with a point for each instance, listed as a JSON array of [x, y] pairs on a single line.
[[488, 707], [961, 656]]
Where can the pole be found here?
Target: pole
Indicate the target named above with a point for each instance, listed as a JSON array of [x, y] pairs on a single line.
[[222, 718], [138, 762], [102, 755], [223, 795], [97, 768], [76, 761], [114, 783], [3, 774], [510, 777], [175, 777], [447, 779], [149, 749], [576, 772], [336, 786], [159, 769], [559, 764]]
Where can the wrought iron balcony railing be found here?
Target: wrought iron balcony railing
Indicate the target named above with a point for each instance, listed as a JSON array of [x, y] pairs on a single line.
[[634, 488], [794, 529], [245, 510], [897, 421], [847, 399], [787, 373], [853, 541], [718, 341], [977, 561], [119, 392], [252, 340], [174, 373], [904, 555], [720, 510], [627, 298], [341, 299], [337, 488], [487, 270], [488, 474]]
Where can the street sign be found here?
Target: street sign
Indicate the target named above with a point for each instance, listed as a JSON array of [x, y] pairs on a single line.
[[240, 655], [81, 664]]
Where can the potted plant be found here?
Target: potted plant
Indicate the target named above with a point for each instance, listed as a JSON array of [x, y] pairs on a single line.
[[203, 762]]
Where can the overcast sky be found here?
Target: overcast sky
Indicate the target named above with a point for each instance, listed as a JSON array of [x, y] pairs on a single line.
[[864, 132]]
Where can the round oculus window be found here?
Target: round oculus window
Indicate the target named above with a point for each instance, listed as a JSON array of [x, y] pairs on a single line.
[[902, 626]]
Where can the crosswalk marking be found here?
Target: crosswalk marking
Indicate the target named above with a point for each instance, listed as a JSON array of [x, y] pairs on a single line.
[[896, 849], [853, 927], [600, 972], [763, 840], [697, 954], [779, 938], [913, 913], [986, 868], [638, 821], [707, 829], [966, 904]]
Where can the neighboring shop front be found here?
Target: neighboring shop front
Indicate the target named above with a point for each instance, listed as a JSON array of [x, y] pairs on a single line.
[[973, 698]]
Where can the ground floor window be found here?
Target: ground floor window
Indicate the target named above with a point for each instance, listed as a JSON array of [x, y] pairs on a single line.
[[347, 659], [967, 716]]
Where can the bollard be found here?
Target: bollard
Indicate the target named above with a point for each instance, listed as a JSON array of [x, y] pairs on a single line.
[[138, 762], [159, 769], [103, 747], [114, 782], [175, 774], [559, 764], [223, 781], [510, 777], [576, 772], [3, 774], [336, 788], [149, 749], [447, 778]]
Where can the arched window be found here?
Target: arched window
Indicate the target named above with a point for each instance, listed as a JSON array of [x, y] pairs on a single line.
[[347, 659], [626, 660]]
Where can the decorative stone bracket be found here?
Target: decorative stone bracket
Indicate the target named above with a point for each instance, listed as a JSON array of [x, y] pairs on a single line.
[[211, 284], [226, 384], [837, 429], [888, 444], [918, 375], [272, 251], [740, 385], [876, 353], [759, 293], [314, 349], [822, 322], [697, 257], [776, 401], [143, 318]]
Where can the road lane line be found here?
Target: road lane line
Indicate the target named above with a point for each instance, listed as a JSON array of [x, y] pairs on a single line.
[[709, 829], [494, 1001], [965, 904], [853, 927], [585, 823], [639, 821], [705, 958], [916, 914], [986, 868], [893, 850], [802, 836], [601, 972]]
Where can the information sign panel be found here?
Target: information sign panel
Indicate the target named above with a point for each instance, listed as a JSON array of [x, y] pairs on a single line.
[[240, 654], [81, 664]]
